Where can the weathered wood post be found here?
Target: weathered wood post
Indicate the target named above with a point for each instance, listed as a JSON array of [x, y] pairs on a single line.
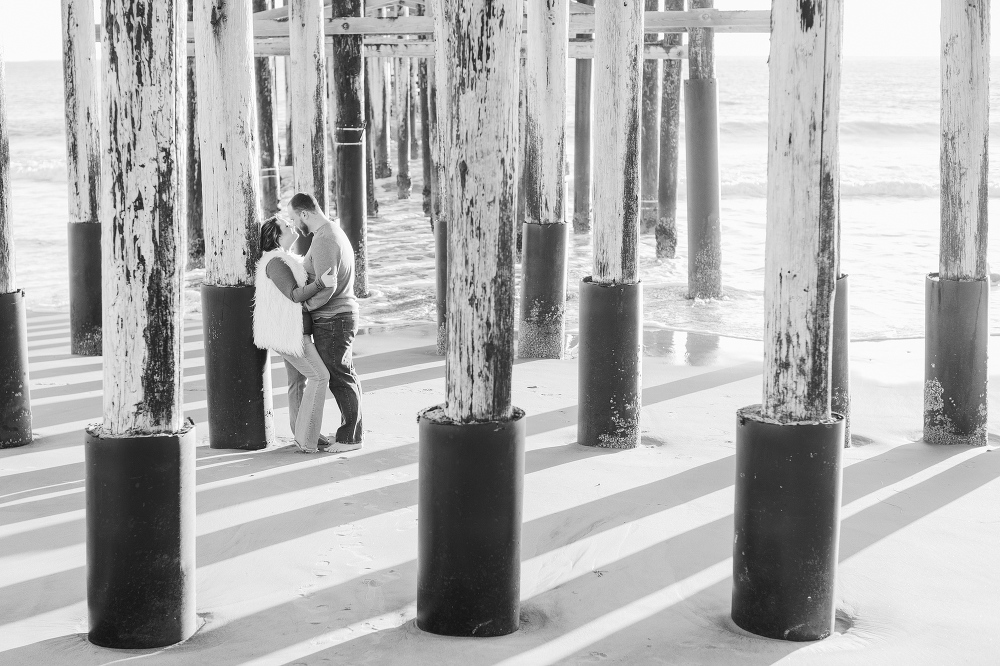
[[610, 375], [701, 137], [955, 377], [15, 406], [193, 185], [425, 133], [331, 139], [789, 449], [349, 136], [237, 373], [542, 327], [581, 138], [649, 155], [413, 110], [286, 67], [438, 99], [83, 166], [401, 107], [307, 76], [140, 460], [472, 446], [670, 104], [379, 86], [369, 153], [270, 180]]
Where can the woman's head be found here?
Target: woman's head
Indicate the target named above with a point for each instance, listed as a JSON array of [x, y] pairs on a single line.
[[275, 233]]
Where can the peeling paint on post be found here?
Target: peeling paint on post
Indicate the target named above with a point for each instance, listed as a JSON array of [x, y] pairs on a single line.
[[670, 103], [400, 108], [195, 229], [481, 41], [425, 133], [378, 85], [83, 165], [803, 192], [649, 156], [581, 152], [7, 272], [143, 205], [349, 136], [307, 77]]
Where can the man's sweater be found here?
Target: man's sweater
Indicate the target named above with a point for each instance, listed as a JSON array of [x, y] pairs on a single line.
[[331, 248]]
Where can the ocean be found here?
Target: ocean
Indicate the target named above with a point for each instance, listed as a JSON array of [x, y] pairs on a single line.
[[889, 206]]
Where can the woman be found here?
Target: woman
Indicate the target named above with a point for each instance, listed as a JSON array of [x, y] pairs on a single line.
[[281, 324]]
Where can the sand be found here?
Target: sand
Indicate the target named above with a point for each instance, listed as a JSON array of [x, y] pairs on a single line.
[[625, 555]]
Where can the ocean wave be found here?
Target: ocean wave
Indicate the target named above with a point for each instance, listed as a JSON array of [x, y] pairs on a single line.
[[39, 170], [897, 189], [850, 129]]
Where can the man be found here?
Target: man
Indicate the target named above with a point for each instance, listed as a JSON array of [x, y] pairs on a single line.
[[334, 312]]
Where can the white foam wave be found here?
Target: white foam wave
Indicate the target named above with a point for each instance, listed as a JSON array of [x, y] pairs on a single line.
[[896, 189], [39, 170]]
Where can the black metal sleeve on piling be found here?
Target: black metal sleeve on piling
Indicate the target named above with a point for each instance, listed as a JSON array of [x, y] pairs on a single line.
[[955, 376], [840, 357], [471, 480], [787, 525], [701, 137], [15, 402], [542, 329], [140, 539], [237, 373], [352, 198], [441, 282], [610, 364], [85, 312]]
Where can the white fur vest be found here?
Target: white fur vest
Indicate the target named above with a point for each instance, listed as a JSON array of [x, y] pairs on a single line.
[[277, 320]]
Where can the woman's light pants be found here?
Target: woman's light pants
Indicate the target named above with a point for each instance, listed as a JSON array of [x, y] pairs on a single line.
[[309, 420]]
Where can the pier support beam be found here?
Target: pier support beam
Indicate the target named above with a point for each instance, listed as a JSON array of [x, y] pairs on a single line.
[[701, 136], [670, 104], [369, 153], [83, 167], [193, 186], [472, 446], [307, 76], [581, 139], [649, 155], [957, 323], [267, 133], [425, 133], [789, 448], [437, 103], [140, 460], [611, 298], [349, 137], [15, 407], [237, 373], [541, 330], [379, 87], [401, 108]]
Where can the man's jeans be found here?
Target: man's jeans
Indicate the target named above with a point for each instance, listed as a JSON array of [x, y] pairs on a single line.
[[333, 338]]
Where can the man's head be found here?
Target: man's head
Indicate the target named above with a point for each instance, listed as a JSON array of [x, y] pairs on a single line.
[[306, 213]]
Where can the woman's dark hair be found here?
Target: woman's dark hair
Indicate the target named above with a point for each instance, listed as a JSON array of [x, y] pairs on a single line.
[[270, 234]]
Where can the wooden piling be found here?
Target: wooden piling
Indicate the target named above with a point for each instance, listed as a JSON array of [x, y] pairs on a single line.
[[425, 134], [352, 185], [649, 155], [267, 127], [800, 268], [286, 66], [193, 184], [702, 143], [610, 376], [237, 373], [83, 166], [581, 138], [440, 196], [401, 107], [331, 140], [307, 78], [480, 51], [670, 104], [413, 110], [379, 87], [957, 317], [7, 272], [143, 244], [541, 329], [369, 153]]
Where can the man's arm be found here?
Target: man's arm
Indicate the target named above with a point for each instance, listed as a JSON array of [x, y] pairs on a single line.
[[324, 254]]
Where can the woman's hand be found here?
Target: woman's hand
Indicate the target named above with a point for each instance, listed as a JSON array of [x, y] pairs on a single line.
[[326, 280]]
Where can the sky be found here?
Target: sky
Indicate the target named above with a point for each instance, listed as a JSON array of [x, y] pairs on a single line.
[[873, 28]]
